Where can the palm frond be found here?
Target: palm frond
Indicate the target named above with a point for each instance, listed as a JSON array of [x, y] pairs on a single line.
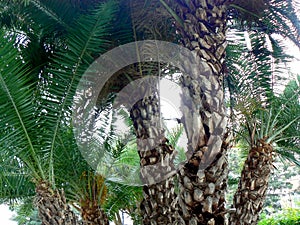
[[37, 33], [15, 179], [147, 26], [15, 187], [270, 17], [289, 154], [62, 13], [87, 39], [281, 18], [279, 124], [122, 197], [249, 78], [16, 108]]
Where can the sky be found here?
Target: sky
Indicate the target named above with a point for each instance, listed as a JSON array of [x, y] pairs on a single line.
[[5, 215]]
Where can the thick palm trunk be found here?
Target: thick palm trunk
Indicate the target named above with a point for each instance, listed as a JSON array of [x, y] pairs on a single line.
[[52, 206], [202, 181], [250, 195], [157, 169], [202, 192], [92, 214]]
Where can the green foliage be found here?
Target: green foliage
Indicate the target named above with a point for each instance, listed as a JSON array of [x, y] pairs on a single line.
[[27, 214], [270, 17], [37, 141], [17, 109], [34, 113], [253, 70], [123, 197], [276, 121], [286, 217]]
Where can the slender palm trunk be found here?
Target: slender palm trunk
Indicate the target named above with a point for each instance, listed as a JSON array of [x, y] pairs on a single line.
[[157, 169], [90, 205], [250, 195], [202, 186], [52, 206]]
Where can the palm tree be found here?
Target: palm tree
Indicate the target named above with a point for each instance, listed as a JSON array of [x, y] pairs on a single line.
[[271, 132], [153, 209], [266, 134], [34, 113], [13, 81], [201, 26], [250, 91], [162, 154], [158, 205], [85, 190]]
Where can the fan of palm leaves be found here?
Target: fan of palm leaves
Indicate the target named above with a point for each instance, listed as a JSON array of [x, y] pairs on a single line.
[[255, 66], [269, 16], [34, 114], [37, 140]]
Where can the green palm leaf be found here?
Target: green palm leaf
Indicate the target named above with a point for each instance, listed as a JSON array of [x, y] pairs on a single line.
[[16, 108], [87, 38]]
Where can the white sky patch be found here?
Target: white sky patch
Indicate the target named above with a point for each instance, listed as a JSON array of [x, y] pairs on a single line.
[[248, 41], [293, 50], [6, 215], [170, 99]]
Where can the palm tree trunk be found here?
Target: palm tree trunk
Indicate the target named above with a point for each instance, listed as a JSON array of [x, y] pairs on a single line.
[[202, 29], [93, 215], [202, 193], [94, 197], [157, 169], [52, 206], [250, 195]]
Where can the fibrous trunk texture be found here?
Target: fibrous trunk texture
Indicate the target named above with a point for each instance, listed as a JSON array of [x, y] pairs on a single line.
[[95, 194], [202, 192], [250, 195], [203, 180], [52, 206], [92, 214], [157, 169]]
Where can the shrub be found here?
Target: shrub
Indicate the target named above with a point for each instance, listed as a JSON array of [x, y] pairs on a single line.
[[286, 217]]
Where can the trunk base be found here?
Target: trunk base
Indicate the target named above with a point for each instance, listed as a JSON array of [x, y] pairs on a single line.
[[52, 206]]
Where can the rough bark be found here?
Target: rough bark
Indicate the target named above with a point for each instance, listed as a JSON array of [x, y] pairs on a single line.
[[157, 169], [250, 195], [203, 183], [202, 192], [94, 197], [92, 214], [52, 206]]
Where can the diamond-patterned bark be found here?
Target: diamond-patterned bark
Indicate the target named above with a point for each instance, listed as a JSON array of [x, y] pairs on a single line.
[[92, 214], [202, 182], [52, 206], [250, 195], [156, 159]]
